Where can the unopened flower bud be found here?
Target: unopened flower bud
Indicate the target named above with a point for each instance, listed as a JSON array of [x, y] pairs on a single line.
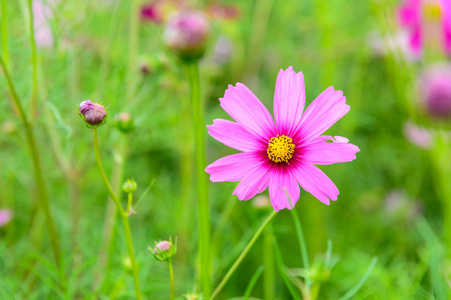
[[164, 250], [129, 186], [163, 246], [435, 90], [124, 122], [186, 34], [94, 114]]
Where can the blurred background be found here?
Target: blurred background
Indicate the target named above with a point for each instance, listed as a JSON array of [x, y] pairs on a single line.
[[389, 58]]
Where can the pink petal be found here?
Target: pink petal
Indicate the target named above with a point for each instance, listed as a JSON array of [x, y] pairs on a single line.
[[234, 167], [314, 181], [234, 135], [242, 105], [254, 183], [289, 100], [322, 113], [323, 153], [5, 216], [284, 191]]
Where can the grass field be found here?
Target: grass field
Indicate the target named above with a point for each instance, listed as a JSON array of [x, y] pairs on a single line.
[[387, 237]]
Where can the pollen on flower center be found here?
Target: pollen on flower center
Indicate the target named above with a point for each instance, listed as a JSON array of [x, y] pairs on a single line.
[[432, 12], [280, 149]]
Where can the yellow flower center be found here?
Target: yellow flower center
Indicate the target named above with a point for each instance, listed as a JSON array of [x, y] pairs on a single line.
[[432, 11], [280, 149]]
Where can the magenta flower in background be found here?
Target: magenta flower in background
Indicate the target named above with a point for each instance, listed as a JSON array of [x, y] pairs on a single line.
[[435, 90], [5, 216], [428, 21], [280, 155]]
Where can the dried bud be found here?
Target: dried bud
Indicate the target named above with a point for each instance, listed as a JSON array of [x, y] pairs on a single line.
[[164, 250], [186, 34], [124, 122], [129, 186], [5, 216], [435, 90], [94, 114]]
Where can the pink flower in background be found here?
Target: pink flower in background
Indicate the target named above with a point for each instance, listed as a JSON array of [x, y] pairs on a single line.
[[42, 30], [280, 155], [418, 136], [435, 90], [428, 21], [5, 216]]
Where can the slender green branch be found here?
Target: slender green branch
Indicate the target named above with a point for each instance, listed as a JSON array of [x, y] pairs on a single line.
[[302, 245], [34, 63], [171, 280], [243, 254], [4, 31], [202, 183], [39, 177], [124, 217]]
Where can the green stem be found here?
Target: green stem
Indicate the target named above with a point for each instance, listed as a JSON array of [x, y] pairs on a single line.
[[171, 280], [40, 182], [243, 254], [268, 259], [201, 178], [124, 217], [4, 32], [302, 245], [34, 64]]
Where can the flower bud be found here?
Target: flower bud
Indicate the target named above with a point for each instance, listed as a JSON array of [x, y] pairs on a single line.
[[129, 186], [94, 114], [163, 246], [5, 216], [124, 122], [163, 250], [186, 34], [435, 90]]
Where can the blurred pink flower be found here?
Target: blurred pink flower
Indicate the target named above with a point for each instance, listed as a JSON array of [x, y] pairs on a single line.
[[280, 155], [435, 90], [5, 216], [428, 21], [42, 30], [152, 11], [219, 10], [418, 136]]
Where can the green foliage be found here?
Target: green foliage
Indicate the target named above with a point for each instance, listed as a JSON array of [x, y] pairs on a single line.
[[92, 58]]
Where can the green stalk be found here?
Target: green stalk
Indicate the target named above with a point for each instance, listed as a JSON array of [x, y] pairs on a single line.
[[171, 280], [201, 178], [39, 178], [243, 254], [34, 64], [268, 259], [124, 217], [302, 245], [4, 32]]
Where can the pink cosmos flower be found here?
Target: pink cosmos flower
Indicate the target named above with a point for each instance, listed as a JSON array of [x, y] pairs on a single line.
[[5, 216], [428, 21], [280, 155]]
